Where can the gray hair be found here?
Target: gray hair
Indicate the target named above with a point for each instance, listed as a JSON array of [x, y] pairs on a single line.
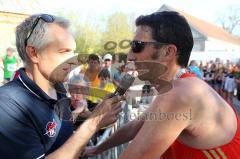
[[78, 78], [39, 38]]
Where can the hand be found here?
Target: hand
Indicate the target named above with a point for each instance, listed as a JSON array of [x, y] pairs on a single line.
[[90, 151], [107, 112], [80, 110]]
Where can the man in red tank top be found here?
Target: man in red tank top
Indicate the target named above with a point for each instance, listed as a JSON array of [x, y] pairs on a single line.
[[191, 121]]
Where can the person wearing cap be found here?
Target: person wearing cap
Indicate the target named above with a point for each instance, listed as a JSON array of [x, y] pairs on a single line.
[[30, 125], [114, 73]]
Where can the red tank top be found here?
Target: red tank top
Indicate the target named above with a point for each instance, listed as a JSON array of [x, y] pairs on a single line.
[[230, 150]]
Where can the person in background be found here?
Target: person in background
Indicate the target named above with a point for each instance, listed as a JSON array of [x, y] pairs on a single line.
[[123, 71], [78, 89], [237, 77], [224, 77], [228, 65], [78, 97], [147, 95], [218, 81], [229, 86], [213, 69], [201, 67], [105, 82], [91, 75], [107, 88], [114, 73], [208, 74], [193, 68], [104, 88], [10, 64]]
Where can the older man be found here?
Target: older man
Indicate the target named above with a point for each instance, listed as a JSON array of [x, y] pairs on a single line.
[[191, 121], [30, 128]]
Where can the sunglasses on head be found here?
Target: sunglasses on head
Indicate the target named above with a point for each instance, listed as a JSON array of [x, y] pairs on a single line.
[[45, 17], [138, 46]]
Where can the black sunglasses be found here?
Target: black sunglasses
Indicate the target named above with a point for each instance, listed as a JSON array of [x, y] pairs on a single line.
[[138, 46], [45, 17]]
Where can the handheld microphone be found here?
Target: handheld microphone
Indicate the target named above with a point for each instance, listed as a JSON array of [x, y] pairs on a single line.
[[125, 82]]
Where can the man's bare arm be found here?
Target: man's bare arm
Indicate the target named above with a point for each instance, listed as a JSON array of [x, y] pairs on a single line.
[[121, 136], [157, 134]]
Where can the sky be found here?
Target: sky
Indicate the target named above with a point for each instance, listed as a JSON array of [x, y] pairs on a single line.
[[209, 10]]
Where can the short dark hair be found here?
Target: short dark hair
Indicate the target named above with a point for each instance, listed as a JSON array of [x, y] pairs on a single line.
[[104, 73], [170, 27], [93, 57]]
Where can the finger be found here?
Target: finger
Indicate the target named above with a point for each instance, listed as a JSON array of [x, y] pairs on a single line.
[[118, 110], [85, 153], [116, 99], [117, 105], [107, 96]]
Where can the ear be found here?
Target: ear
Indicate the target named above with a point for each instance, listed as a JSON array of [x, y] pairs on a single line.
[[32, 54], [171, 51]]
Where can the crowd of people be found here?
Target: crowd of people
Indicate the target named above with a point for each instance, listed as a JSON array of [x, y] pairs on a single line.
[[223, 77]]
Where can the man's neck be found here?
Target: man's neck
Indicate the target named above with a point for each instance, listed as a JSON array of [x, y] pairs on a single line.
[[171, 73], [42, 82]]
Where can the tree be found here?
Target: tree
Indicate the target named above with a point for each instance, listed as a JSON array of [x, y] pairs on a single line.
[[230, 21], [86, 33], [119, 28], [93, 34], [88, 39]]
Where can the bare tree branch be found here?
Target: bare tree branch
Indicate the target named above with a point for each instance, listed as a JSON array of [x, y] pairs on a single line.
[[231, 20]]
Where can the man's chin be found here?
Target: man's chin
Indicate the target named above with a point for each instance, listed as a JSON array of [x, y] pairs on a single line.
[[58, 76]]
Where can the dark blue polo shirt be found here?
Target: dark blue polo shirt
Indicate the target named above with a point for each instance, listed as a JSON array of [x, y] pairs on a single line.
[[29, 124]]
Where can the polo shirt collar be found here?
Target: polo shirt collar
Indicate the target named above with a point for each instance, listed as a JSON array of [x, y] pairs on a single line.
[[34, 88]]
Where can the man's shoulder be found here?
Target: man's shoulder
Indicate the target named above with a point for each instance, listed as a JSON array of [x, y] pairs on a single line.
[[184, 93], [11, 86], [13, 90], [11, 96], [189, 85]]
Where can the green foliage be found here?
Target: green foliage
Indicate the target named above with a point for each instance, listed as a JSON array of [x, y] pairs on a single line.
[[92, 34], [118, 28]]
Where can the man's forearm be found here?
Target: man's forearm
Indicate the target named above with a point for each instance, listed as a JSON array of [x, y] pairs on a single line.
[[75, 144], [122, 135]]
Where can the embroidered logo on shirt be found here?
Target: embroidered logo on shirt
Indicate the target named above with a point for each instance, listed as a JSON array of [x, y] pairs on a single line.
[[51, 128]]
